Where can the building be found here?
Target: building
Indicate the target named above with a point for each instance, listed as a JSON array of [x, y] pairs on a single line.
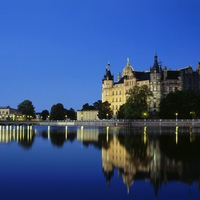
[[87, 115], [6, 112], [160, 81]]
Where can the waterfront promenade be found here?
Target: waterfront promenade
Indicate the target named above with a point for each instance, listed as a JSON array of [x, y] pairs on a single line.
[[120, 123]]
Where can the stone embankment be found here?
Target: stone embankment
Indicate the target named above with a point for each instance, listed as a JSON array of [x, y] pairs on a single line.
[[120, 123]]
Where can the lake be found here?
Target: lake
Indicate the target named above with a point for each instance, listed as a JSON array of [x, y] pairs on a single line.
[[98, 163]]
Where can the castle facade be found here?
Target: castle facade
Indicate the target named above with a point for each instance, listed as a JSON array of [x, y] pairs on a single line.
[[160, 81]]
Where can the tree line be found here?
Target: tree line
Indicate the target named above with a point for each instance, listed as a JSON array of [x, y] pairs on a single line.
[[57, 112], [183, 104]]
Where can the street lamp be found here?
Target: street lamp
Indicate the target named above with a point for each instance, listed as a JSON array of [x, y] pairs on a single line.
[[193, 114], [107, 115], [176, 116]]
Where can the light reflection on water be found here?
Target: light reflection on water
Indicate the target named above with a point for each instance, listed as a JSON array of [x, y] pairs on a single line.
[[99, 163]]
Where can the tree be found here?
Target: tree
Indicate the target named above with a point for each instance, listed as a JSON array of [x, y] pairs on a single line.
[[58, 112], [88, 107], [71, 114], [44, 114], [182, 102], [27, 108], [97, 104], [120, 113], [105, 111], [137, 102]]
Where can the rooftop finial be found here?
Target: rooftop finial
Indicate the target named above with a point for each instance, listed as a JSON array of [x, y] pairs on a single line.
[[108, 66], [128, 61]]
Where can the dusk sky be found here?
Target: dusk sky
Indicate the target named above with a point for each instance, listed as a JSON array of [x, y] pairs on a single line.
[[56, 51]]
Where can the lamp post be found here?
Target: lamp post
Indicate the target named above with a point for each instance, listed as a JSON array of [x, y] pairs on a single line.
[[193, 114], [107, 116], [176, 116], [145, 114]]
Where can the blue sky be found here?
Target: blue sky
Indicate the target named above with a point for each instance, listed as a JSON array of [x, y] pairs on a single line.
[[56, 51]]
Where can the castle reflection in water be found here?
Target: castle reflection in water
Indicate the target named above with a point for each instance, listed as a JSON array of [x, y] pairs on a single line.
[[149, 154]]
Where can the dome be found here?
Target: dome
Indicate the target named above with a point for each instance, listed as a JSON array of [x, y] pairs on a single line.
[[128, 69]]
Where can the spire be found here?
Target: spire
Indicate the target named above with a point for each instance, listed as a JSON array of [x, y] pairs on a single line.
[[108, 66], [155, 58], [155, 67]]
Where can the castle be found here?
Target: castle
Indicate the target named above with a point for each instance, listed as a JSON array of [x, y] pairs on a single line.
[[160, 81]]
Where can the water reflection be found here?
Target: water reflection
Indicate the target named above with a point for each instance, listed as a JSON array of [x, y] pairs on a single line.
[[59, 135], [148, 154], [22, 134]]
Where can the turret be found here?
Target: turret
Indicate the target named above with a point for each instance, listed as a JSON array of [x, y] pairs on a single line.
[[155, 85], [156, 70], [108, 75], [119, 77], [107, 84], [156, 66]]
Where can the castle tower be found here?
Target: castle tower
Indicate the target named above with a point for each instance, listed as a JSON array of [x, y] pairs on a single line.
[[155, 85], [107, 84]]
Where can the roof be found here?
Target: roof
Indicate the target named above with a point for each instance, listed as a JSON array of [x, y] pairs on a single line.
[[141, 76], [6, 107], [172, 74]]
